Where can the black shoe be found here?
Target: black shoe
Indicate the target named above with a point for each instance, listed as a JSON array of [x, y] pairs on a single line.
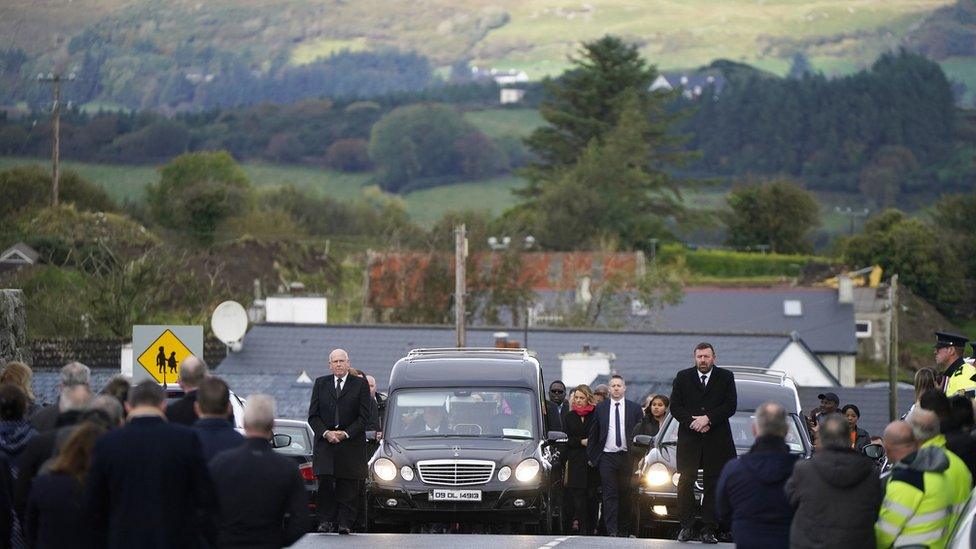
[[708, 537], [344, 531], [326, 528], [684, 535], [726, 537]]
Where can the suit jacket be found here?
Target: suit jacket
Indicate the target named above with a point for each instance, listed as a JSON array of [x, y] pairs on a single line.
[[216, 435], [261, 497], [181, 411], [717, 401], [554, 415], [347, 458], [149, 487], [55, 514], [600, 427]]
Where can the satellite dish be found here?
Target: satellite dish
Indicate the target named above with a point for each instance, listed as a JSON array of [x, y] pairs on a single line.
[[229, 322]]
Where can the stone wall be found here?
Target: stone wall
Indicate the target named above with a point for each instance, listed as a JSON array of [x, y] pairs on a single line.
[[13, 327], [53, 353]]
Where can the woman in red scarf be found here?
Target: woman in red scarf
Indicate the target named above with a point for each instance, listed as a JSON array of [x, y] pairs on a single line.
[[581, 480]]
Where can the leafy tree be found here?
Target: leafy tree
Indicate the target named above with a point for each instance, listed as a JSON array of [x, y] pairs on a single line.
[[609, 194], [889, 170], [780, 215], [348, 155], [913, 250], [198, 191], [800, 66], [28, 188], [953, 216], [586, 103]]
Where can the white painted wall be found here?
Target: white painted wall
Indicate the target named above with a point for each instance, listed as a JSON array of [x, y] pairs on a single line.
[[796, 362], [583, 368]]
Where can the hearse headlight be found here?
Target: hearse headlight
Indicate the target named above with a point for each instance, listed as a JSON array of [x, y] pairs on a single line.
[[406, 472], [527, 470], [384, 469], [504, 473], [657, 474]]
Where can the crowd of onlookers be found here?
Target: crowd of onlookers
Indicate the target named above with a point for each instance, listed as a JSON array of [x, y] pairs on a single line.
[[122, 469]]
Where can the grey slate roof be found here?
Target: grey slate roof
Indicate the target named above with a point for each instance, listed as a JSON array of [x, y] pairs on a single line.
[[825, 325], [278, 348]]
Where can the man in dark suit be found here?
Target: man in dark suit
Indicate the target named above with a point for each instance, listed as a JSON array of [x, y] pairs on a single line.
[[260, 494], [214, 428], [148, 485], [608, 451], [556, 405], [338, 414], [703, 399], [193, 371]]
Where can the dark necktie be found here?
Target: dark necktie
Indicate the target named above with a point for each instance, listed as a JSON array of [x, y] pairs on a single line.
[[616, 424], [338, 390], [704, 377]]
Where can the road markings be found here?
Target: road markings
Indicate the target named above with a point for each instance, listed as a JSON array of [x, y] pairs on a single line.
[[555, 542]]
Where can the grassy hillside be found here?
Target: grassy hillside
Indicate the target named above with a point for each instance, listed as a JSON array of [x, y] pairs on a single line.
[[838, 35]]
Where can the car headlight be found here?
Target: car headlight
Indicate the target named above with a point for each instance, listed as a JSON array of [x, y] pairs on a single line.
[[384, 469], [504, 473], [657, 475], [527, 470], [675, 478], [406, 472]]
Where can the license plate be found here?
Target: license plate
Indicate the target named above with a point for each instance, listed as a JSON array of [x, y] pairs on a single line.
[[455, 495]]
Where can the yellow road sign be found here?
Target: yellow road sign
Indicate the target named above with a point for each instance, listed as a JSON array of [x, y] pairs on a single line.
[[163, 357]]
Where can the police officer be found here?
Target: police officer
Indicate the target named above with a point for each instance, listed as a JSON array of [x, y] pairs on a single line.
[[958, 375]]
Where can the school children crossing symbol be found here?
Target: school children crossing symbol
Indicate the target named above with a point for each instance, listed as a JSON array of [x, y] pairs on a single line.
[[162, 349]]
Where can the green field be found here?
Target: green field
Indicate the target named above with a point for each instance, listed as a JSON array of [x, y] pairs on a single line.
[[497, 123]]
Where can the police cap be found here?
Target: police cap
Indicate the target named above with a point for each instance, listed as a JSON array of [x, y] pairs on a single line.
[[946, 339]]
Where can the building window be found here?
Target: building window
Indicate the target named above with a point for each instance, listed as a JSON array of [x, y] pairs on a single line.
[[792, 307], [863, 328]]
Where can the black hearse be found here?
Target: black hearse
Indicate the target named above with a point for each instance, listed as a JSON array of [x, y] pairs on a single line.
[[464, 441]]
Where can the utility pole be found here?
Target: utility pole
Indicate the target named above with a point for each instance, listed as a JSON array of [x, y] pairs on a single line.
[[851, 214], [55, 79], [893, 350], [460, 254]]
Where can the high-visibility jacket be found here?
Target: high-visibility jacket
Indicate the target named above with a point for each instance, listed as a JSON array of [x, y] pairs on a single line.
[[958, 477], [918, 503], [960, 377]]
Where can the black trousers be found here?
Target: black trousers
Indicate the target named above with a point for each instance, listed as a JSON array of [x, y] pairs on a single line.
[[615, 472], [686, 497], [338, 499]]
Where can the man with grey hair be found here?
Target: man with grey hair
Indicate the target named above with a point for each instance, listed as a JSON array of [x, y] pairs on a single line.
[[73, 394], [193, 371], [836, 493], [276, 513], [749, 493]]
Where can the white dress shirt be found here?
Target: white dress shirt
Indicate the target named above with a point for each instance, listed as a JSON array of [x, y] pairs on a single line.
[[611, 445], [707, 376]]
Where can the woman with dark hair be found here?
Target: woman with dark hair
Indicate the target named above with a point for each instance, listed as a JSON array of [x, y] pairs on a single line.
[[20, 375], [55, 515], [15, 430], [580, 480], [654, 414], [859, 437]]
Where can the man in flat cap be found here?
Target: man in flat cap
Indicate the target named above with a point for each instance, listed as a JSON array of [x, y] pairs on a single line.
[[959, 375]]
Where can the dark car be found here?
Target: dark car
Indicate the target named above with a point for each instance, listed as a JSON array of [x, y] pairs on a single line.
[[299, 448], [657, 482], [464, 442]]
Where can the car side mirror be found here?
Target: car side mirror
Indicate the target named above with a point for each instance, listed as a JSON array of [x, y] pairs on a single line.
[[557, 437], [281, 441], [370, 436], [873, 451], [643, 441]]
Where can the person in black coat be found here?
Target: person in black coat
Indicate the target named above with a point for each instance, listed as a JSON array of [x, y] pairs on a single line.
[[260, 494], [55, 515], [703, 399], [339, 413], [6, 502], [147, 475], [214, 428], [39, 449], [750, 489], [556, 406], [607, 449], [193, 371], [836, 494], [580, 479]]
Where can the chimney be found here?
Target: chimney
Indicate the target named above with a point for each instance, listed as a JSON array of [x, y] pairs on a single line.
[[845, 289]]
